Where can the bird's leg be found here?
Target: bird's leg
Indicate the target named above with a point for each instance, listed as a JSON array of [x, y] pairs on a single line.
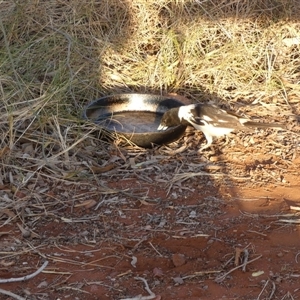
[[226, 141], [209, 139], [206, 147]]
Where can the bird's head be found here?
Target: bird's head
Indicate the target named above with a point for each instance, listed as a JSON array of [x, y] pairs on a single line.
[[169, 119]]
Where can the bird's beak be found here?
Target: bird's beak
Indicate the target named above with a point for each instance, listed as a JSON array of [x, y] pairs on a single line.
[[161, 127]]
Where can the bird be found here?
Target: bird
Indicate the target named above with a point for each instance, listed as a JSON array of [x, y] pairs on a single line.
[[211, 120]]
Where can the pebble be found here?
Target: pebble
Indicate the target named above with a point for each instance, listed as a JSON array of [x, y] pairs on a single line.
[[178, 260]]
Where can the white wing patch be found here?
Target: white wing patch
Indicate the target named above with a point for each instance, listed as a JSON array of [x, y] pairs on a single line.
[[243, 120], [185, 113]]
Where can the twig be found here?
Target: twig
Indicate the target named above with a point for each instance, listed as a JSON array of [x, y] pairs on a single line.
[[73, 289], [78, 263], [272, 292], [260, 233], [247, 214], [287, 296], [44, 265], [140, 242], [264, 287], [185, 176], [102, 284], [289, 221], [140, 297], [197, 274], [155, 249], [221, 278], [245, 261], [146, 286], [8, 293]]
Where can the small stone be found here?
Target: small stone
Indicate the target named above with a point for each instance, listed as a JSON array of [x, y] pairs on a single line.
[[178, 280], [178, 260], [279, 254], [26, 234], [193, 214]]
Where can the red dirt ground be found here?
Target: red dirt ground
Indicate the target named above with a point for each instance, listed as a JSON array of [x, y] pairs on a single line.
[[98, 236]]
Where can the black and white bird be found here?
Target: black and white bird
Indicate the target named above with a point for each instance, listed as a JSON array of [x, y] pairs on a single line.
[[211, 120]]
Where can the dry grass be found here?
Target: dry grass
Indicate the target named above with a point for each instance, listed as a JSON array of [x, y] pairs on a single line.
[[56, 56]]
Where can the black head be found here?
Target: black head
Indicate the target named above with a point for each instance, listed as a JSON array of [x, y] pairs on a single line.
[[169, 119]]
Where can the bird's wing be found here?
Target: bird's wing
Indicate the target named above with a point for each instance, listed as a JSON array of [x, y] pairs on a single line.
[[215, 116]]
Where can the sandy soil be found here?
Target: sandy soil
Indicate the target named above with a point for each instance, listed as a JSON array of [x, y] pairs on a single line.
[[213, 226]]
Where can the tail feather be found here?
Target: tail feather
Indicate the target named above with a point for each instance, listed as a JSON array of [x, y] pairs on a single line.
[[264, 125]]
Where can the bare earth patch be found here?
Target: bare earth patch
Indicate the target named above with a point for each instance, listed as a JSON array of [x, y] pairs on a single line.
[[220, 225]]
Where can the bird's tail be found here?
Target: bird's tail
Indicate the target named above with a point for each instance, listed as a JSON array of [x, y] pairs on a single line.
[[252, 124]]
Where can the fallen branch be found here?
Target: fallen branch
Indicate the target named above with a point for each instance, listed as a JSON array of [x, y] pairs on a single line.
[[27, 276]]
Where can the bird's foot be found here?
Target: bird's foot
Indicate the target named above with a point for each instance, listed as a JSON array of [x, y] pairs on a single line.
[[207, 146]]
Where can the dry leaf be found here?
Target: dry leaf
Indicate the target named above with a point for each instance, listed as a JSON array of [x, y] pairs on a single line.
[[104, 169], [28, 149], [43, 284], [143, 202], [6, 263], [4, 187], [7, 212], [70, 175], [238, 253], [20, 194], [4, 233], [157, 272], [4, 151], [87, 203], [258, 273]]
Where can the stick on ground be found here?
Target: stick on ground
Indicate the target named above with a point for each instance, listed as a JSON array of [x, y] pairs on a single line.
[[44, 265]]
